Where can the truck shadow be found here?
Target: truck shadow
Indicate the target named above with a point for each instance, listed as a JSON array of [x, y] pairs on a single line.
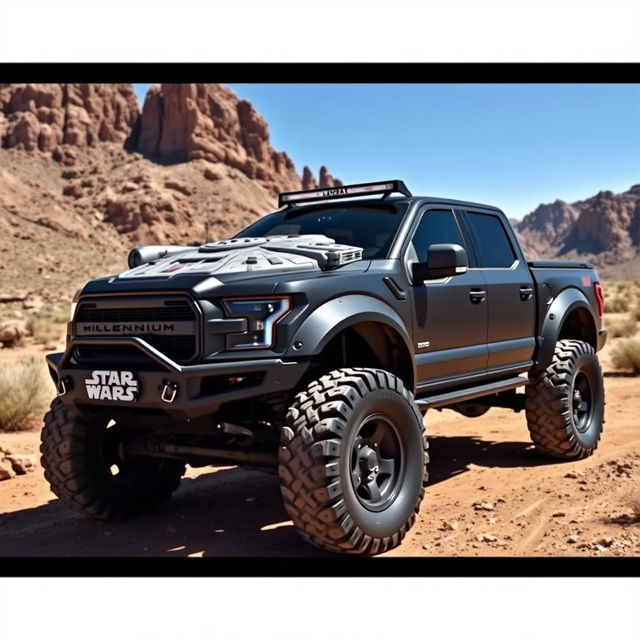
[[451, 455], [229, 512]]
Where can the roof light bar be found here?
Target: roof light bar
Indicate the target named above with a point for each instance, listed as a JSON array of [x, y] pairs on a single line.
[[345, 191]]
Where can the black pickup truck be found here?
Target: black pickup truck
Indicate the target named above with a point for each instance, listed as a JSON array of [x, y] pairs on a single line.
[[312, 344]]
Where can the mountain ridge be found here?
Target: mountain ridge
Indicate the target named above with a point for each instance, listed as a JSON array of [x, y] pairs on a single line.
[[604, 228]]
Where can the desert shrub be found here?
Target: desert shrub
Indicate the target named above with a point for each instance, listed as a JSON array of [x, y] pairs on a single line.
[[626, 355], [617, 305], [623, 328], [46, 325], [44, 331], [23, 394], [634, 503], [635, 313], [57, 313]]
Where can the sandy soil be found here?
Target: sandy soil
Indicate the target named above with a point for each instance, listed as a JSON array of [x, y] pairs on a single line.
[[489, 494]]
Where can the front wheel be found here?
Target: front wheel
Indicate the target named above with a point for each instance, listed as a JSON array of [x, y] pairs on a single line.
[[564, 403], [353, 461], [82, 463]]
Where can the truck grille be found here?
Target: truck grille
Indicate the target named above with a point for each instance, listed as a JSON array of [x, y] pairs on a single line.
[[154, 314], [170, 325]]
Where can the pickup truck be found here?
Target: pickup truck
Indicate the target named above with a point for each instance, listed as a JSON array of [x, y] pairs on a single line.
[[311, 344]]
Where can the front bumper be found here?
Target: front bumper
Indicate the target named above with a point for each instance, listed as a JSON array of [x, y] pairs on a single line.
[[179, 390]]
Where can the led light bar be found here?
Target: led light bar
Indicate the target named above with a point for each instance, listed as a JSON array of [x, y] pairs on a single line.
[[345, 191]]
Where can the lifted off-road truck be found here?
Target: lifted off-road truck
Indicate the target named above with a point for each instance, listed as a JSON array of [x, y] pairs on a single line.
[[312, 343]]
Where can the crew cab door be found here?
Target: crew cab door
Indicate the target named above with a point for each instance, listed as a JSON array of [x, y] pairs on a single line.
[[449, 314], [511, 300]]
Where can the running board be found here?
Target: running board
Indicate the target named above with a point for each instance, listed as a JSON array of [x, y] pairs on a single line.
[[451, 397]]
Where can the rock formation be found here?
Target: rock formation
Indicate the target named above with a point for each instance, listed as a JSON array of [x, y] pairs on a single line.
[[182, 122], [41, 117], [606, 226], [85, 176], [308, 181], [178, 123], [549, 224], [327, 180]]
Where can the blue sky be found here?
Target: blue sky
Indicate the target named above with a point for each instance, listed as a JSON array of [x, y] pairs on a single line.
[[513, 146]]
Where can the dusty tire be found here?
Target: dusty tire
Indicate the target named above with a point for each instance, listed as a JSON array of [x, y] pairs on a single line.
[[349, 432], [77, 457], [564, 403]]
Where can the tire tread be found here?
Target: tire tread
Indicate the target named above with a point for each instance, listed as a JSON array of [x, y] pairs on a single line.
[[548, 406], [309, 452]]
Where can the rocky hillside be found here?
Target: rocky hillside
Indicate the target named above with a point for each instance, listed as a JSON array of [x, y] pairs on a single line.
[[85, 175], [604, 228]]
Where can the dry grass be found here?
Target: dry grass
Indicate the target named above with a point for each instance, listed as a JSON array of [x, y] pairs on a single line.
[[622, 287], [44, 331], [618, 304], [47, 324], [626, 355], [622, 328], [634, 503], [24, 393]]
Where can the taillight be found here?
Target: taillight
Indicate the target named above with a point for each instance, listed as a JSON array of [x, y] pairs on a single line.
[[598, 291]]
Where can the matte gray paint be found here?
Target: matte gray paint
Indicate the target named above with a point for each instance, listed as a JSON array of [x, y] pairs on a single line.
[[568, 300], [338, 314]]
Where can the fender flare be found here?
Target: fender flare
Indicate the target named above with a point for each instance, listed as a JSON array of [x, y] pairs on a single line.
[[563, 304], [338, 314]]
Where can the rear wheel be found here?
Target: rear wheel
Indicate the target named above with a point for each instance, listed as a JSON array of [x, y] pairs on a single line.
[[353, 461], [564, 403], [82, 463]]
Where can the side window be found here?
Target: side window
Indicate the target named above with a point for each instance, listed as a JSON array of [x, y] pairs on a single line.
[[493, 243], [436, 227]]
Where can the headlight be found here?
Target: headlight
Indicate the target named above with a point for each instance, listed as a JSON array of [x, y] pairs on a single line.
[[262, 315]]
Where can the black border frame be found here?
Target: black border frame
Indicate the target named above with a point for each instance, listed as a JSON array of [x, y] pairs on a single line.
[[326, 72], [333, 566]]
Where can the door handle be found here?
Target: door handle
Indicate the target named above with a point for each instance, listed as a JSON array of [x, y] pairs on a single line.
[[477, 295], [525, 293]]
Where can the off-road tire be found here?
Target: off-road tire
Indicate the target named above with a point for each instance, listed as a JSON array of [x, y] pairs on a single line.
[[75, 468], [550, 404], [316, 457]]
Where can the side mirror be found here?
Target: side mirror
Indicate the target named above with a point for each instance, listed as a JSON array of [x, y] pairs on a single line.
[[443, 260]]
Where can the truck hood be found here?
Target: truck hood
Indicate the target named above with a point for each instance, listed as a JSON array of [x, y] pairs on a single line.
[[253, 256]]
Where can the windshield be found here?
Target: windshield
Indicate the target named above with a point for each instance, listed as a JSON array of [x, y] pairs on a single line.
[[370, 227]]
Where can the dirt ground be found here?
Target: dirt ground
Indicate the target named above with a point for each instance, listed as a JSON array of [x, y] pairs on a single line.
[[489, 494]]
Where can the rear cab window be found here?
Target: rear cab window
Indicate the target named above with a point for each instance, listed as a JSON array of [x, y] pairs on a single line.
[[494, 247]]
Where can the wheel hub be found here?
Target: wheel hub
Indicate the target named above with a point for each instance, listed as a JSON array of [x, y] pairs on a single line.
[[376, 463], [368, 459], [581, 402]]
